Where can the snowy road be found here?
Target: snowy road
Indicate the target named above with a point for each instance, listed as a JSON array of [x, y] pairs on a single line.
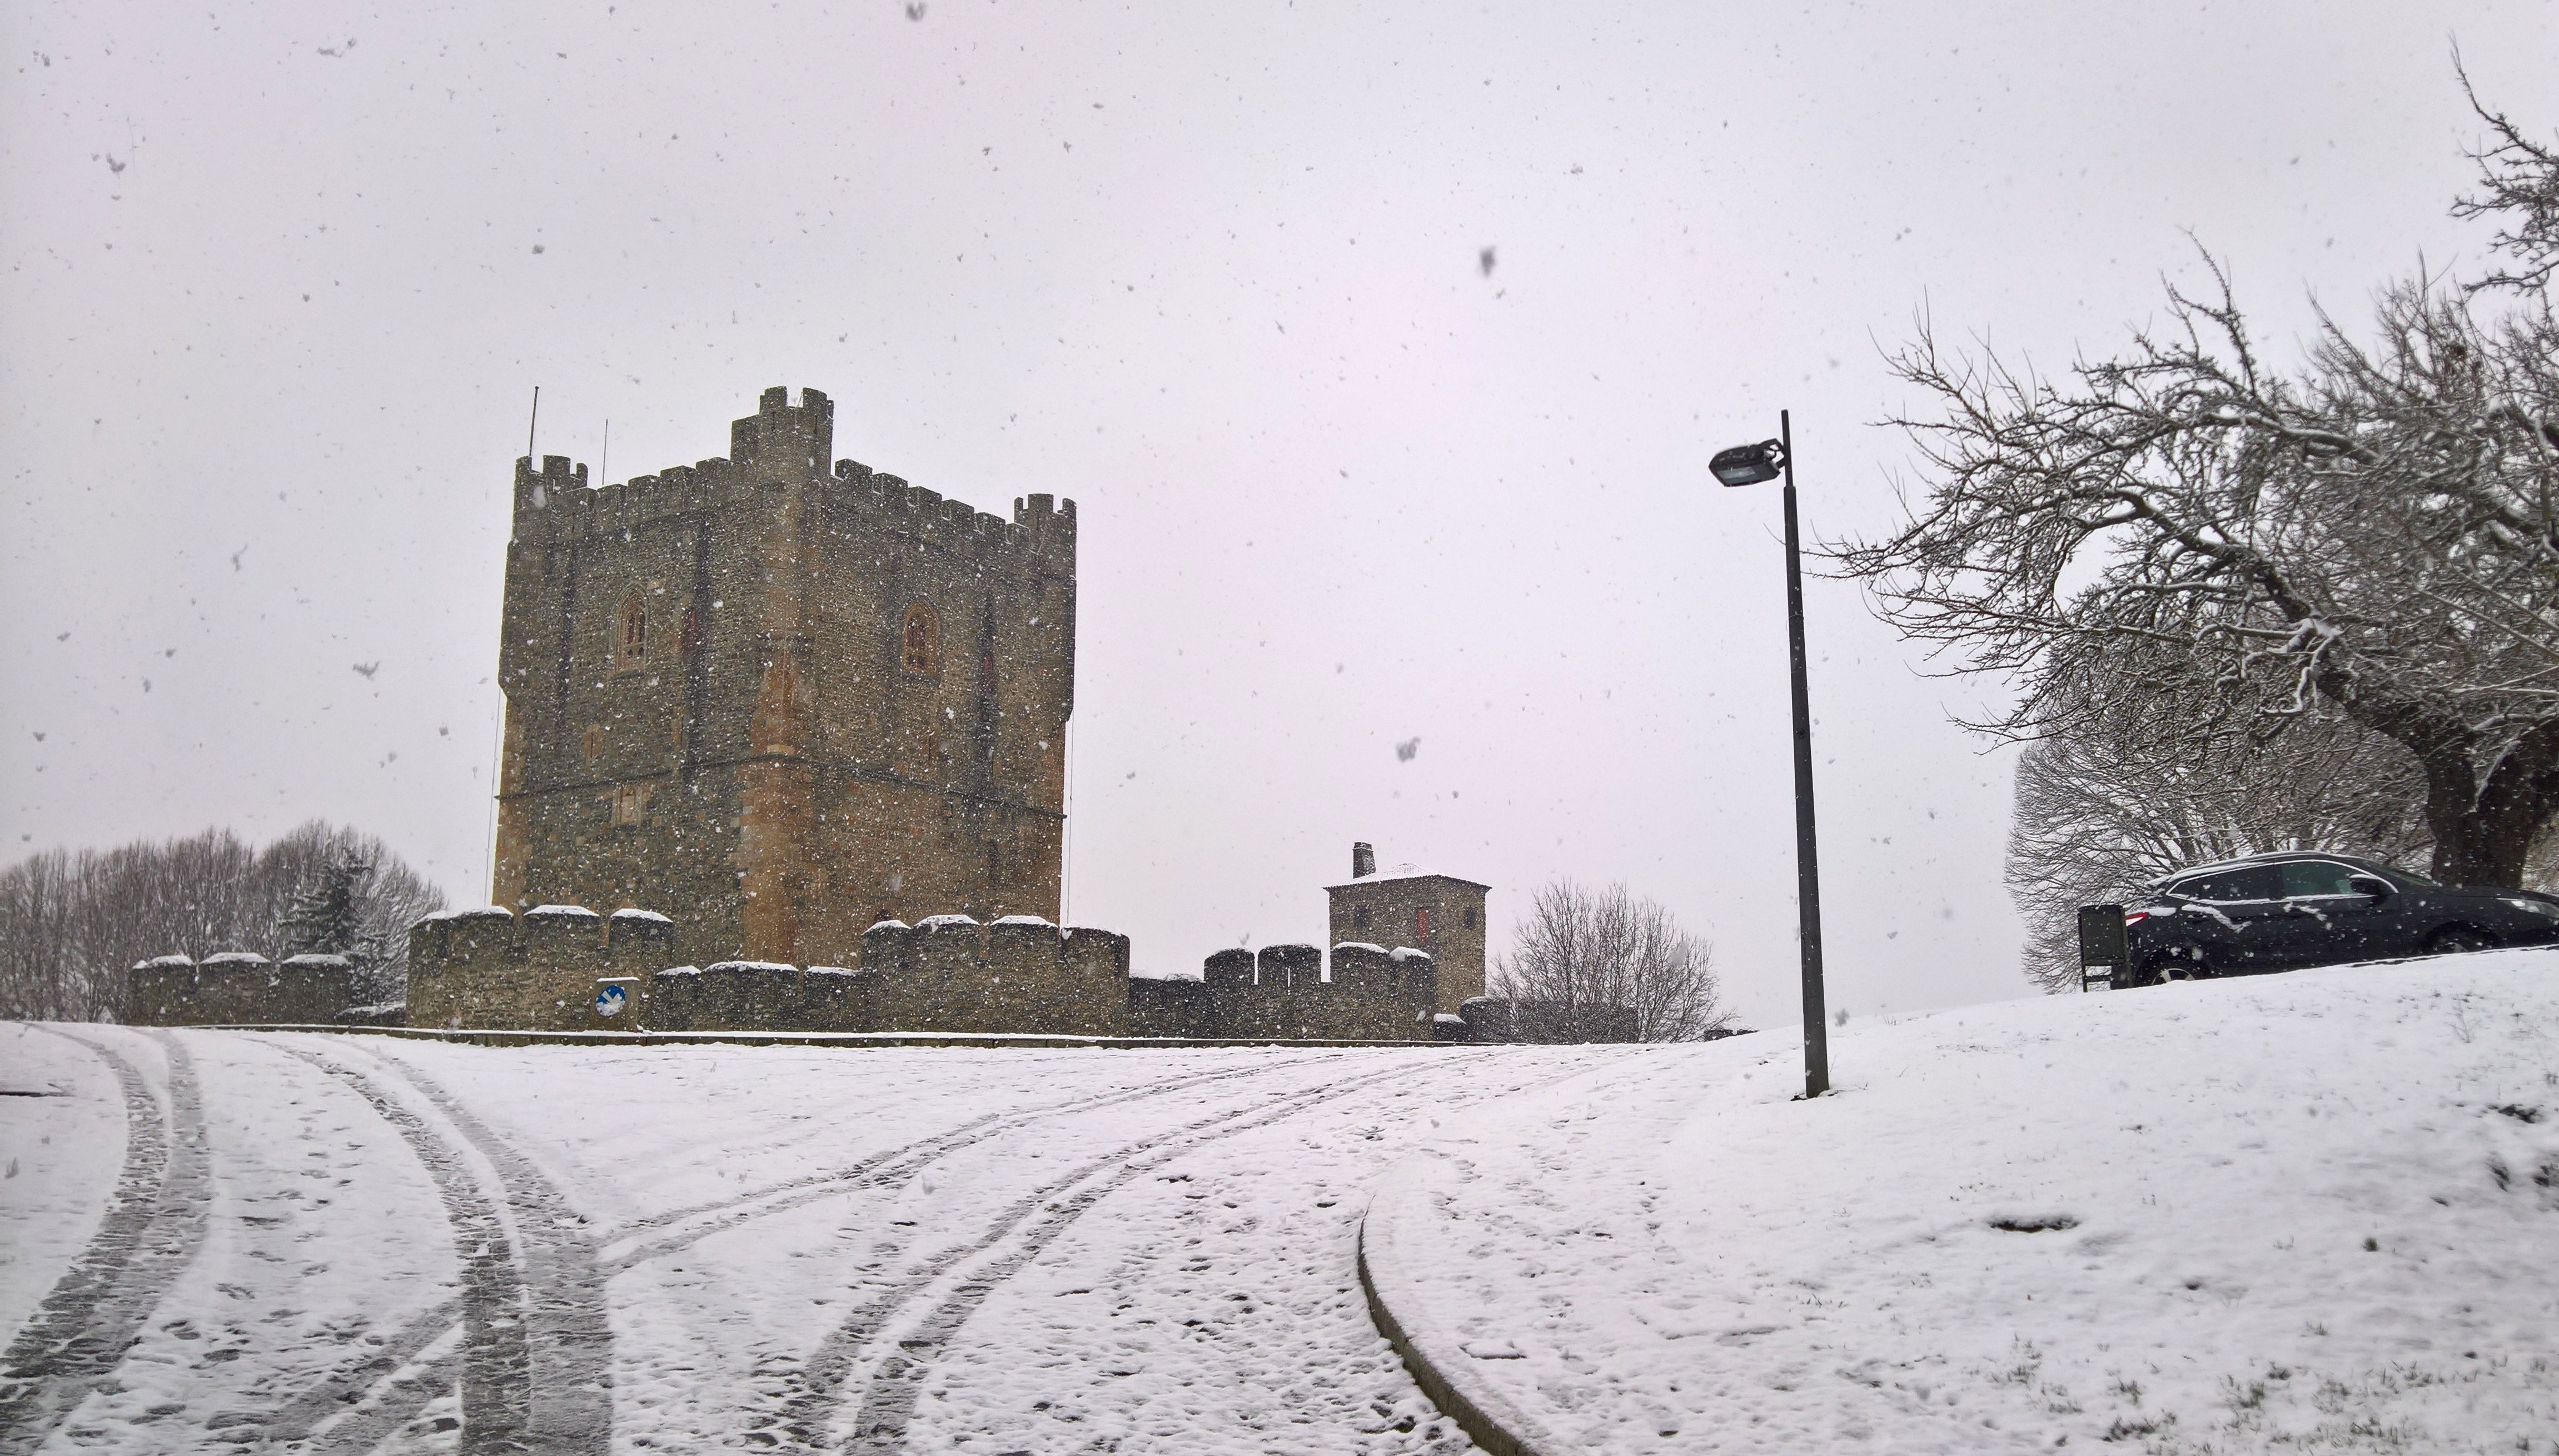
[[225, 1240]]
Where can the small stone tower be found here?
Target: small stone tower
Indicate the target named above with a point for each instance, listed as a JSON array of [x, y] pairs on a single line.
[[1440, 914], [780, 701]]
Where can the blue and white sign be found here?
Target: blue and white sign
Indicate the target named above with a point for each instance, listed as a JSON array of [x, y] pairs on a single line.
[[610, 1001]]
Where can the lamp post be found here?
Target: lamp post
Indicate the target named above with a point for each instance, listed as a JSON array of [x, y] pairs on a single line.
[[1750, 465]]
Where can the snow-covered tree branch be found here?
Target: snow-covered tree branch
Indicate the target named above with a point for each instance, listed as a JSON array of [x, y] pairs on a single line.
[[2191, 537]]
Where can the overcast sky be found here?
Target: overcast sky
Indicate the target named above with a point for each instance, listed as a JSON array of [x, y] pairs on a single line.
[[282, 280]]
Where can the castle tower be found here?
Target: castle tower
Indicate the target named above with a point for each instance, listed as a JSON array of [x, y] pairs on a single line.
[[779, 701], [1440, 914]]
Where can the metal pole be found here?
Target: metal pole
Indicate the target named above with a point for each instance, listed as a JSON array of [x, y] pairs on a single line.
[[1808, 882]]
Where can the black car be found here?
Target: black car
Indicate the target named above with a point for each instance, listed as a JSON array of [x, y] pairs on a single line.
[[2281, 912]]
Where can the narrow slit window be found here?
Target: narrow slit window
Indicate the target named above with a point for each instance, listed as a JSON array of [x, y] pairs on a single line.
[[634, 639], [920, 642]]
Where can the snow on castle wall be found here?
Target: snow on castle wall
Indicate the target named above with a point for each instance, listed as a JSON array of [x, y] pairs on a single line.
[[239, 988], [565, 968], [949, 974], [488, 968], [541, 971]]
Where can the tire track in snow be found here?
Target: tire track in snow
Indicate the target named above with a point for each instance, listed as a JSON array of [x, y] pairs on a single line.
[[344, 1393], [494, 1406], [537, 1351], [154, 1226], [570, 1338], [411, 1387], [392, 1405], [897, 1381], [899, 1164], [888, 1396]]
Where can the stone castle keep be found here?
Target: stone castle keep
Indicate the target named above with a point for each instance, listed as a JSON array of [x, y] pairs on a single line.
[[792, 698], [797, 730]]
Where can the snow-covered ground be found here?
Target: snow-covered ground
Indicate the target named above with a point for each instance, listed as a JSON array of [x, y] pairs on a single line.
[[222, 1240], [2316, 1212]]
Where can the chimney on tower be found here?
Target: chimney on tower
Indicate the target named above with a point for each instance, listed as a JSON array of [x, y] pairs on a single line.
[[1363, 860]]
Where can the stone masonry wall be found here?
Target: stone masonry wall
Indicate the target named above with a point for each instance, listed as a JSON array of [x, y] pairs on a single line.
[[711, 702], [488, 968], [949, 974], [1018, 974], [758, 995], [1393, 908], [1283, 994], [239, 988]]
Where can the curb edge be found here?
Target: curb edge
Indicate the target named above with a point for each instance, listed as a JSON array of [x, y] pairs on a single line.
[[1469, 1418]]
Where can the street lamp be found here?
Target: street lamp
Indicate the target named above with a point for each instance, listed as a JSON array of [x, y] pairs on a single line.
[[1751, 465]]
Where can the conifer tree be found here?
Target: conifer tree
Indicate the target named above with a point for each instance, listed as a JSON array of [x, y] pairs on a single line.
[[327, 915]]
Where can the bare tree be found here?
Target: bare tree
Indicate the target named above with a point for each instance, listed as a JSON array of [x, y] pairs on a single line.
[[39, 977], [71, 923], [2519, 185], [1587, 958], [2191, 536]]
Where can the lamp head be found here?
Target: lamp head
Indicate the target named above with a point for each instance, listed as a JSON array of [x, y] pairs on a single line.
[[1749, 465]]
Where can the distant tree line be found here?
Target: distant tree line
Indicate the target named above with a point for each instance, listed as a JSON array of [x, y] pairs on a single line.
[[72, 923], [2247, 607]]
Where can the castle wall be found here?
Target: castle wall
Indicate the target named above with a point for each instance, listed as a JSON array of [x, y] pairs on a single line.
[[491, 970], [1171, 1008], [1018, 974], [536, 971], [763, 755], [951, 973], [238, 988], [160, 991], [1283, 994], [752, 995]]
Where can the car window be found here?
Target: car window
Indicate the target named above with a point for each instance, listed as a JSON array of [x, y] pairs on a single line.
[[2255, 882], [2317, 877]]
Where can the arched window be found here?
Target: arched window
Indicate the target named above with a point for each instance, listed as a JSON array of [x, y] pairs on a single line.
[[920, 642], [631, 629]]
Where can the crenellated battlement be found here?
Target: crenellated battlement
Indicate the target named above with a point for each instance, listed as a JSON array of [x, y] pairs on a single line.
[[782, 441], [1283, 993], [241, 988], [536, 971], [784, 444], [1017, 973], [543, 970]]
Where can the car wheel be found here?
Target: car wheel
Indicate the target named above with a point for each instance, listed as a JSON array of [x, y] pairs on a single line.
[[2453, 939], [2191, 967]]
